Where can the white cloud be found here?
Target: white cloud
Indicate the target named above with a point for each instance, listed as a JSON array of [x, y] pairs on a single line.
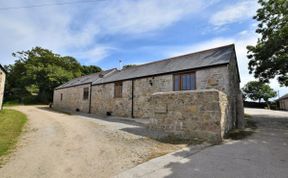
[[94, 55], [143, 16], [52, 27], [234, 13]]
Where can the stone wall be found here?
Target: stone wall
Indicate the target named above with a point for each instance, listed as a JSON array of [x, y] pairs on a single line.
[[2, 86], [213, 78], [283, 104], [235, 97], [144, 88], [188, 114], [103, 100], [72, 99], [223, 78]]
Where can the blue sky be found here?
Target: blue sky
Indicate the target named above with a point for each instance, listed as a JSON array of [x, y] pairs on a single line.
[[102, 32]]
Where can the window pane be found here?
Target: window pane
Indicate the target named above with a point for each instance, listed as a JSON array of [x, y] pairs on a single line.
[[189, 82], [185, 82], [85, 93], [193, 82], [118, 90], [176, 82]]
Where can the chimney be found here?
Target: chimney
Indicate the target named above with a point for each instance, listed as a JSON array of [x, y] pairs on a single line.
[[101, 75], [120, 65]]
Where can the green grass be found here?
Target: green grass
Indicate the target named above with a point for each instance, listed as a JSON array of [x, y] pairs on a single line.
[[11, 124], [11, 103]]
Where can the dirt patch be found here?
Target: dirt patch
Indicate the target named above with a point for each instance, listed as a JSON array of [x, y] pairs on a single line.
[[238, 134], [176, 140]]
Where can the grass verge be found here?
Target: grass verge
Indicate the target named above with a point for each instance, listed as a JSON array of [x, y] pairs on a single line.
[[11, 103], [11, 124]]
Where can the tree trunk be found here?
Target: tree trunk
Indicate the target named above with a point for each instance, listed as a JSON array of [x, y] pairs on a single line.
[[268, 105]]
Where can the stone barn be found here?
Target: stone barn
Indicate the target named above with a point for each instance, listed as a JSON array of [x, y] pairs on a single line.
[[2, 84], [283, 102], [194, 94]]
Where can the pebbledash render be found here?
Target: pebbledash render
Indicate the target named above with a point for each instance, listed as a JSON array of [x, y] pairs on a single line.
[[194, 95], [2, 84]]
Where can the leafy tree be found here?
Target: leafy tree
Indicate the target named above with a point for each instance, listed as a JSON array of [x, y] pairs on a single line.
[[129, 65], [269, 58], [37, 72], [256, 90], [90, 69]]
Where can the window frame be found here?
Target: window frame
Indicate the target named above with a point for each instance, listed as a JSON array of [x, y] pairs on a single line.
[[61, 96], [118, 89], [180, 74], [86, 93]]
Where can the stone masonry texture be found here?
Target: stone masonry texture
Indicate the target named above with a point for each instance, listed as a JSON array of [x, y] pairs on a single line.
[[103, 100], [72, 99], [200, 114], [284, 104], [222, 79]]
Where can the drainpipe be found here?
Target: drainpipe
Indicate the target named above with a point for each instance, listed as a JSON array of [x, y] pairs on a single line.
[[132, 104], [90, 94]]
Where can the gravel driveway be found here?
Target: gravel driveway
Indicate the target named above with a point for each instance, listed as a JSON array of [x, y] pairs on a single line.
[[61, 145]]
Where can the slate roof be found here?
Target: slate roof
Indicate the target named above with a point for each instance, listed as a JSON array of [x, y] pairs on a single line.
[[283, 97], [87, 79], [211, 57], [207, 58]]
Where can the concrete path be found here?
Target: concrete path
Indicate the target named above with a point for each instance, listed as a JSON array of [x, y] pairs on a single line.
[[263, 154]]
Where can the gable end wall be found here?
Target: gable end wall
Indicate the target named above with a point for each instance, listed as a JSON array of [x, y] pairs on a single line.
[[72, 99]]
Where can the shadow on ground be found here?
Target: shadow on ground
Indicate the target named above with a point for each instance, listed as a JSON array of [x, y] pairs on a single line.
[[262, 152], [239, 134]]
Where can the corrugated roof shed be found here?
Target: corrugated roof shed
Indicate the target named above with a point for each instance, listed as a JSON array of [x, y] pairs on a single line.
[[85, 79], [211, 57]]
